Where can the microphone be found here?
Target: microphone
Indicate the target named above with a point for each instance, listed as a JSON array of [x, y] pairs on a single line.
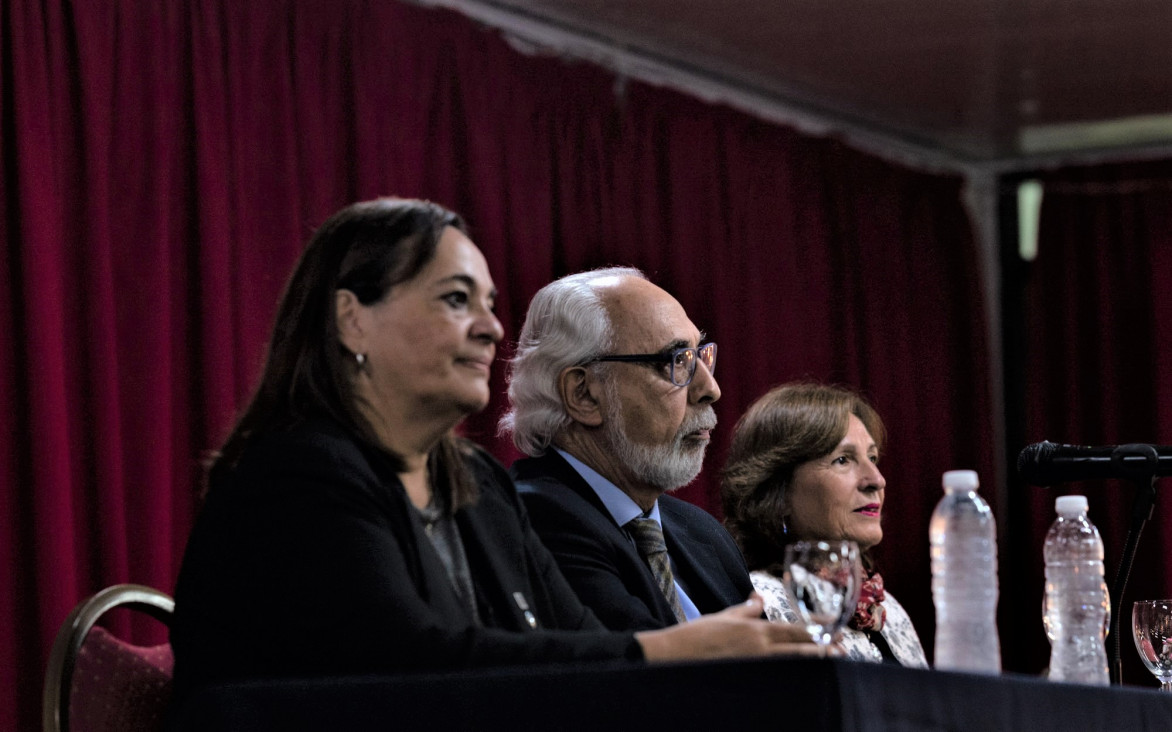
[[1046, 463]]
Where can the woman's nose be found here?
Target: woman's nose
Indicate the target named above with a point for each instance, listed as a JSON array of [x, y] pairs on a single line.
[[488, 326]]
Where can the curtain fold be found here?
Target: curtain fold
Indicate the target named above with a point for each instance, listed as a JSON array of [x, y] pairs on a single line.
[[164, 163]]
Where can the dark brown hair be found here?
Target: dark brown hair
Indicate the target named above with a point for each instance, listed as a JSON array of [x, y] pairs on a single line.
[[367, 248], [790, 425]]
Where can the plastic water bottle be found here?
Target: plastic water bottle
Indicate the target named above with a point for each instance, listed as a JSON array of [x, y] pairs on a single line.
[[1076, 607], [963, 538]]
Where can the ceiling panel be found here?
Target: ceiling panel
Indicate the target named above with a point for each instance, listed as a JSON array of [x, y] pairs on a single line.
[[977, 80]]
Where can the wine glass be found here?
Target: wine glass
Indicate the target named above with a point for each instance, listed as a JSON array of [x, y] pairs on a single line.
[[1151, 624], [822, 578]]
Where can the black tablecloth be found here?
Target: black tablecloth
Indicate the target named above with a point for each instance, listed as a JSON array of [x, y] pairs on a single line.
[[797, 694]]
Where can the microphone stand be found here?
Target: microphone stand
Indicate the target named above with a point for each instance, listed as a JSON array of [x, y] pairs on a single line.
[[1144, 477]]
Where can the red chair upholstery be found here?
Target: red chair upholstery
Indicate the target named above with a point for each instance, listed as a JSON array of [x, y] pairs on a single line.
[[97, 682]]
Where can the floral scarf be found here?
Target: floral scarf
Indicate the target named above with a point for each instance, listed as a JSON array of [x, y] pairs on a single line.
[[870, 613]]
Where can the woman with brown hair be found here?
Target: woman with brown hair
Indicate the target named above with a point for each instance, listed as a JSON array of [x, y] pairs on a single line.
[[804, 464]]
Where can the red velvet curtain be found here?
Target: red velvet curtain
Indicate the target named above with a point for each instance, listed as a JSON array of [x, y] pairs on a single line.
[[163, 163], [1097, 358]]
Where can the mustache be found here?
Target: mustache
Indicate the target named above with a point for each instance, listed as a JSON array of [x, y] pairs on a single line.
[[702, 419]]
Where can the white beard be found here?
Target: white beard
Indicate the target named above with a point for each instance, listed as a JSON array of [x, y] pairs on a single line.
[[669, 466]]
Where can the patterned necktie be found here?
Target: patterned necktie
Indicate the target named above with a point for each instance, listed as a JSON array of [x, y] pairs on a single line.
[[648, 538]]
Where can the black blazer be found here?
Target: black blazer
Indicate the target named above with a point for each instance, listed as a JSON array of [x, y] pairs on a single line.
[[309, 560], [602, 564]]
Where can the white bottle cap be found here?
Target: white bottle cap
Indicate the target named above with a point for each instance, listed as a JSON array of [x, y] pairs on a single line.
[[1070, 505], [963, 479]]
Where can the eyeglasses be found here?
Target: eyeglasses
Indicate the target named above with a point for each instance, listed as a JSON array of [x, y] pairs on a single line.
[[682, 361]]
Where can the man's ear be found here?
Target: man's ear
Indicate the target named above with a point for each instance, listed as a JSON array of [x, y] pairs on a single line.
[[350, 326], [578, 393]]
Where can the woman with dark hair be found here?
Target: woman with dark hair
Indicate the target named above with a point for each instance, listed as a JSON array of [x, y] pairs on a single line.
[[346, 529], [804, 464]]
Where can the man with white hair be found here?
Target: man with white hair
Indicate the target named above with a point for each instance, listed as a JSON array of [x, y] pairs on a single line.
[[612, 389]]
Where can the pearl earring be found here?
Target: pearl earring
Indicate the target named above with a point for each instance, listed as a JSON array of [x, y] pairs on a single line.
[[360, 359]]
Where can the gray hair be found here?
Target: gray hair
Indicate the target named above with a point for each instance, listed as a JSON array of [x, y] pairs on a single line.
[[567, 325]]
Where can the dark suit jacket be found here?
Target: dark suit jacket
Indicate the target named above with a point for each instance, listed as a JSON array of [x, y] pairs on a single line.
[[601, 563], [309, 560]]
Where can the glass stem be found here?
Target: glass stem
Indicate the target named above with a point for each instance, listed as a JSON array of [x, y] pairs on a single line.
[[1166, 686]]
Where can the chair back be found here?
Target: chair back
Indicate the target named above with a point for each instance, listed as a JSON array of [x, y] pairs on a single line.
[[97, 682]]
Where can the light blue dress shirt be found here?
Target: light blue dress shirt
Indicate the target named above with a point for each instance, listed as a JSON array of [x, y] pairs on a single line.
[[622, 509]]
